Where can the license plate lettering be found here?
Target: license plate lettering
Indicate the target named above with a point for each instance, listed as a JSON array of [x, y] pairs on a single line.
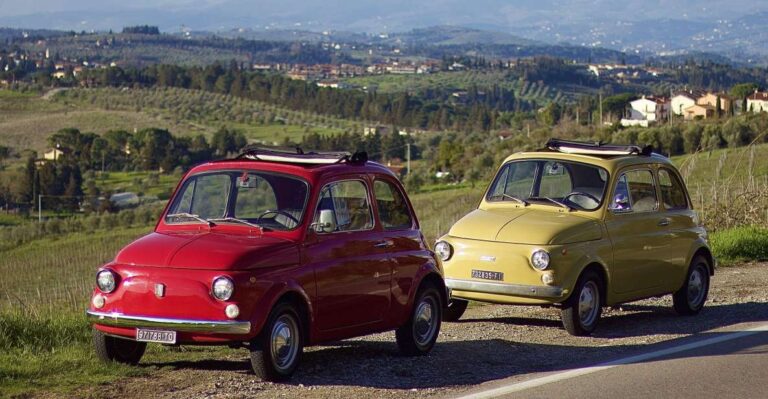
[[160, 336], [487, 275]]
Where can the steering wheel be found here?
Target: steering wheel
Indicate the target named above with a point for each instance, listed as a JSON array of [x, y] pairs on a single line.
[[278, 212], [583, 194]]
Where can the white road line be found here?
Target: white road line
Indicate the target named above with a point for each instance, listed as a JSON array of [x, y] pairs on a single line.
[[537, 382]]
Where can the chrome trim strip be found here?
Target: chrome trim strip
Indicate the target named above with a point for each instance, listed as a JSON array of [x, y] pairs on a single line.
[[504, 289], [198, 326]]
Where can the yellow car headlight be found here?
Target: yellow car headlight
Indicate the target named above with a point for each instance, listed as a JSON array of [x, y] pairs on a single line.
[[540, 259], [443, 250]]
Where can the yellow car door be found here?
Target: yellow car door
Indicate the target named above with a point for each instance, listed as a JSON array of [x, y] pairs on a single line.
[[681, 224], [637, 237]]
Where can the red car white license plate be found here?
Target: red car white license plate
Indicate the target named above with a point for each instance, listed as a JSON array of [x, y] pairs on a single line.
[[160, 336], [486, 275]]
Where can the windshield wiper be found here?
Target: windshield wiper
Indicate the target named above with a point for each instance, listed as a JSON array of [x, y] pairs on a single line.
[[554, 201], [191, 216], [230, 219], [512, 197]]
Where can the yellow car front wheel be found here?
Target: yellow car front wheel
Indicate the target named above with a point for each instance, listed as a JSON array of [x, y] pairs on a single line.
[[581, 312]]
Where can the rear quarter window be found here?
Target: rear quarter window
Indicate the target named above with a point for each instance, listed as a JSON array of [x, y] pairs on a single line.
[[672, 192], [393, 209]]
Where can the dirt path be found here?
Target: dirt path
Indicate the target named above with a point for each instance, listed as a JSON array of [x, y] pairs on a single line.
[[50, 93], [491, 342]]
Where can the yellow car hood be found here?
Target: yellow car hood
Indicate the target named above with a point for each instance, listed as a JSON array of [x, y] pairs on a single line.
[[526, 226]]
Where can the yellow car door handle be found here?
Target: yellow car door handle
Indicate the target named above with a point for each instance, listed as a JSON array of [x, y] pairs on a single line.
[[663, 222]]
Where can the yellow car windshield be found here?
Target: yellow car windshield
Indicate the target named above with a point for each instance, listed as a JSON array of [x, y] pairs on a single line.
[[553, 182]]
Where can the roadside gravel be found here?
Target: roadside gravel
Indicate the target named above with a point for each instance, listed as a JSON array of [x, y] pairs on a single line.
[[490, 342]]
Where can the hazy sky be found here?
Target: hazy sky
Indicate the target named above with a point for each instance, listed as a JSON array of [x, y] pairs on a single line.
[[17, 7], [360, 15]]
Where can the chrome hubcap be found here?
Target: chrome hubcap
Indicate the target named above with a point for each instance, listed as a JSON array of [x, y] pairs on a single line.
[[285, 341], [696, 287], [589, 303], [424, 323]]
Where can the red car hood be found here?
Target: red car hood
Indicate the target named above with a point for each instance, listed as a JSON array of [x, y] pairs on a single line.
[[208, 250]]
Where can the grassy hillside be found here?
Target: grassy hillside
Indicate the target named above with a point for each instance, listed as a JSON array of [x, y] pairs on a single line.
[[728, 187], [530, 91], [737, 165], [26, 120], [208, 111]]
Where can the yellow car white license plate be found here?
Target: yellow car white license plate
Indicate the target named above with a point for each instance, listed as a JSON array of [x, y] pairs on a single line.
[[486, 275]]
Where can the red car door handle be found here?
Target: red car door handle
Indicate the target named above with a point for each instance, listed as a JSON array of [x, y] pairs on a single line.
[[384, 244], [664, 222]]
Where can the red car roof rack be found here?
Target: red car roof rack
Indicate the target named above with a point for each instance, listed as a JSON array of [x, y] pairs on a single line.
[[597, 148], [299, 156]]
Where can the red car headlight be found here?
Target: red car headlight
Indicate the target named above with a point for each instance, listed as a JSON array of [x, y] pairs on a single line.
[[222, 288], [106, 281]]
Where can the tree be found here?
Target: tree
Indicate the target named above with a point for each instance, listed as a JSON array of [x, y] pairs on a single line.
[[742, 91], [23, 189], [226, 141], [73, 190], [718, 108]]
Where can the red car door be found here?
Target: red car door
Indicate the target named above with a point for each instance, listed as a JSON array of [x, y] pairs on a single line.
[[350, 257], [401, 230]]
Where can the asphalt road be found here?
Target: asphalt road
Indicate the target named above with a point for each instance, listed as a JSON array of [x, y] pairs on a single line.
[[731, 362]]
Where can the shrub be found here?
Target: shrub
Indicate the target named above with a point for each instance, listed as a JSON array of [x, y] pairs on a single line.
[[740, 243]]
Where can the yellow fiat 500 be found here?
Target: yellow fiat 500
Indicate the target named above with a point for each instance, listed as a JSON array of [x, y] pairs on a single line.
[[579, 226]]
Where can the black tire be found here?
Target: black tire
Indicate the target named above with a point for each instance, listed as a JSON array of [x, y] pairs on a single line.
[[690, 298], [417, 336], [111, 349], [278, 349], [581, 312], [455, 309]]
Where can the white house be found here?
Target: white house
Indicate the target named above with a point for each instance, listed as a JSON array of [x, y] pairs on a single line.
[[646, 110], [683, 100], [54, 154], [758, 102], [649, 108]]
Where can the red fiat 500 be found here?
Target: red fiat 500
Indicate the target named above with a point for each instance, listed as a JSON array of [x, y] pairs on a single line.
[[273, 251]]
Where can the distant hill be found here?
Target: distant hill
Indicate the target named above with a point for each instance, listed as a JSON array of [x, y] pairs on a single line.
[[14, 33], [456, 35], [735, 28], [289, 35]]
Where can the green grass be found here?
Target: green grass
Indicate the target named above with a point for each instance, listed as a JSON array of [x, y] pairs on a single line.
[[44, 337], [708, 168], [438, 210], [728, 187], [743, 243], [10, 219], [45, 340], [53, 353], [275, 134], [137, 182], [14, 95], [57, 272]]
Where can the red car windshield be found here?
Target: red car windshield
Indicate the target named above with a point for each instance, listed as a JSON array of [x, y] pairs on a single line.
[[269, 200]]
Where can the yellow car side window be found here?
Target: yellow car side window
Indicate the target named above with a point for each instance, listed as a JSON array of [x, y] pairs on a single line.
[[635, 192]]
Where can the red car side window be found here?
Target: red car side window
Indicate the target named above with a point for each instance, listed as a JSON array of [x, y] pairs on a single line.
[[393, 210]]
